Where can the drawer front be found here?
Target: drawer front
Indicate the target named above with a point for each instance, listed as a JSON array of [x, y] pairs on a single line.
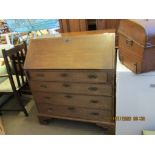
[[91, 76], [77, 88], [86, 101], [74, 112]]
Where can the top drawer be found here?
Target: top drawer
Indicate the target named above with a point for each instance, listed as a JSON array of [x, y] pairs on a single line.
[[93, 76]]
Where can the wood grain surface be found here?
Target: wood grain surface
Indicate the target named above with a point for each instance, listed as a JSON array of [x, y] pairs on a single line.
[[73, 51]]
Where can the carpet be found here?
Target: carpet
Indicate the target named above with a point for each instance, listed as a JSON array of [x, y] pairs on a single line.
[[16, 123]]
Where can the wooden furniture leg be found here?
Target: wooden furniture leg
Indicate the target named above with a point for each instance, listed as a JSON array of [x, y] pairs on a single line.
[[44, 120], [109, 128]]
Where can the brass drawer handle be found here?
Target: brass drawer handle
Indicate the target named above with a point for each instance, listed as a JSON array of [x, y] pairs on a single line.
[[94, 101], [50, 109], [43, 86], [64, 74], [67, 40], [71, 108], [47, 97], [94, 113], [40, 75], [93, 88], [66, 85], [68, 96], [92, 76]]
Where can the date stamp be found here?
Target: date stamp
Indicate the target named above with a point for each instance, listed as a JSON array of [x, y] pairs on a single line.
[[129, 118]]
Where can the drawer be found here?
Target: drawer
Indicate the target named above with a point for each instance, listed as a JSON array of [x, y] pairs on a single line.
[[90, 76], [75, 112], [67, 87], [96, 102]]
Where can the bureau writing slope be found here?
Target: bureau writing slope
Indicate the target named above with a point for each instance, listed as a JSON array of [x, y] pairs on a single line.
[[72, 76]]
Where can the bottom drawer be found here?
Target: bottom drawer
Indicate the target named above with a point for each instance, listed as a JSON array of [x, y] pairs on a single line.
[[75, 112]]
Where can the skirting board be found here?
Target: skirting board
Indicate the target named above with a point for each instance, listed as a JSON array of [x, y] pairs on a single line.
[[2, 132]]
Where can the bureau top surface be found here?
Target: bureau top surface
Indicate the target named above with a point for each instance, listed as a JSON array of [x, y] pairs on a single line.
[[93, 50]]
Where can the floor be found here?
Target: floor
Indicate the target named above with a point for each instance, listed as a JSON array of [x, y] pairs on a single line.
[[1, 127], [15, 123]]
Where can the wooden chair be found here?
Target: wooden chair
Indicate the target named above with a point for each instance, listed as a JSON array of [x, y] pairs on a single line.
[[15, 80]]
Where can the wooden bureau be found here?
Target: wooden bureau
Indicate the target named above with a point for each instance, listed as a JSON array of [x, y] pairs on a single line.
[[72, 76]]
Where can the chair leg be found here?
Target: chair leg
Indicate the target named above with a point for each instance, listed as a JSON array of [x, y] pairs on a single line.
[[21, 104]]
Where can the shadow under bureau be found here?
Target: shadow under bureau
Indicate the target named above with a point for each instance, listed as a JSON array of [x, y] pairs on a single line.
[[72, 76]]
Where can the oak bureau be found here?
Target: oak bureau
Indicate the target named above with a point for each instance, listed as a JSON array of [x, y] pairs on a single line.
[[72, 76]]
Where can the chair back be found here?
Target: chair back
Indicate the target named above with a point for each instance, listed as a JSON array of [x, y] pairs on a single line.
[[14, 60]]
